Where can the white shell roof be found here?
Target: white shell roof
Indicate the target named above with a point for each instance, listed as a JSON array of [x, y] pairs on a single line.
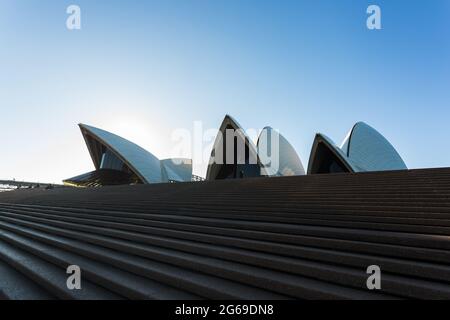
[[329, 143], [176, 169], [289, 163], [370, 151], [142, 162], [230, 121]]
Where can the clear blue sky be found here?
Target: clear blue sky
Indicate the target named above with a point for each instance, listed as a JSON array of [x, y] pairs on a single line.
[[144, 68]]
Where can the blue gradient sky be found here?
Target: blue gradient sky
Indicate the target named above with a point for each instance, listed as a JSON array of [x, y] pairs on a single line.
[[145, 68]]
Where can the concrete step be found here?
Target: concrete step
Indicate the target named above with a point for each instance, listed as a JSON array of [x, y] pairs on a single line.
[[437, 272], [393, 284], [190, 281], [202, 216], [263, 244], [289, 237], [412, 225], [282, 234], [48, 276], [113, 279], [15, 286]]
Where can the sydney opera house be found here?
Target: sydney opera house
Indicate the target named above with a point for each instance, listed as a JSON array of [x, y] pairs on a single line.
[[118, 161], [364, 149], [261, 227]]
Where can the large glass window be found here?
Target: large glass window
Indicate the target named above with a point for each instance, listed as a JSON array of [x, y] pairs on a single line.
[[326, 161], [238, 168], [111, 161]]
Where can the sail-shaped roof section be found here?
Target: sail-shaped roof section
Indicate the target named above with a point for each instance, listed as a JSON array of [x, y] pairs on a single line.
[[176, 170], [363, 150], [282, 159], [224, 165], [370, 150], [327, 157], [110, 151]]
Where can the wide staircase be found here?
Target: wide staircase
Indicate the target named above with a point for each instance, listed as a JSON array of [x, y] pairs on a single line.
[[309, 237]]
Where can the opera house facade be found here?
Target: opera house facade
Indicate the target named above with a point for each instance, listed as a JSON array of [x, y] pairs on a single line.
[[313, 235], [118, 161], [272, 156], [364, 149]]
